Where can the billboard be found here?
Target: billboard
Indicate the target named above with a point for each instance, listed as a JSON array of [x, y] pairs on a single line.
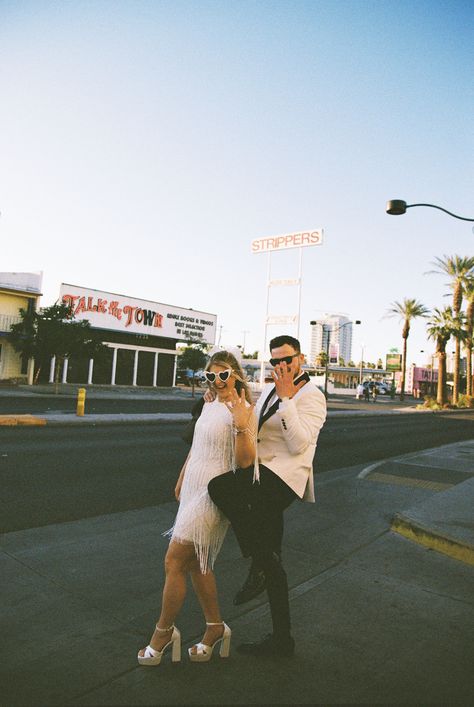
[[393, 362], [106, 310], [300, 239]]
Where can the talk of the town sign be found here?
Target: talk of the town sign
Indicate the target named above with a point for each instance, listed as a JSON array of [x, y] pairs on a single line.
[[105, 310]]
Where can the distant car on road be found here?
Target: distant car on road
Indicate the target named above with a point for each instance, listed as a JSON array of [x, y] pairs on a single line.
[[382, 388], [185, 377]]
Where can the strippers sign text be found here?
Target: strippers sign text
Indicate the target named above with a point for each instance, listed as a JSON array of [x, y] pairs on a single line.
[[290, 240]]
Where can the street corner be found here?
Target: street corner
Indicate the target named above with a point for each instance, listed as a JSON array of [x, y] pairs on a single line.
[[433, 539], [24, 420]]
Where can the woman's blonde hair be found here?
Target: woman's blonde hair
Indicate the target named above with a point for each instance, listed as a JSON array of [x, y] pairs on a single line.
[[227, 359]]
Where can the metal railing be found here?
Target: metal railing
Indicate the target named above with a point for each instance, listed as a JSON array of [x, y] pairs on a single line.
[[6, 320]]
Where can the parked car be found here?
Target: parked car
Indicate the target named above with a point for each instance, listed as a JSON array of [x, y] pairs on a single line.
[[185, 376], [382, 388]]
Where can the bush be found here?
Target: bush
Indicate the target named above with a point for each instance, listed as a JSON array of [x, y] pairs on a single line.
[[429, 404], [466, 401]]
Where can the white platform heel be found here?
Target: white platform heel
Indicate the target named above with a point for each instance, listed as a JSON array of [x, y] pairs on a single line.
[[153, 657], [204, 652]]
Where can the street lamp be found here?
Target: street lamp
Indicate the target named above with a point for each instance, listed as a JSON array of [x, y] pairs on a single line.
[[397, 207], [357, 321]]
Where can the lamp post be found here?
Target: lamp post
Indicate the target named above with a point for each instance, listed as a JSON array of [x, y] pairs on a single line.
[[329, 330], [397, 207], [361, 363], [244, 332]]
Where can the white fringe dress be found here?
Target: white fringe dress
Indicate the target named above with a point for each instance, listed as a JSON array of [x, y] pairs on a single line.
[[198, 520]]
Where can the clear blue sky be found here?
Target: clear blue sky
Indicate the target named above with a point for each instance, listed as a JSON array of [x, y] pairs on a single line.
[[144, 145]]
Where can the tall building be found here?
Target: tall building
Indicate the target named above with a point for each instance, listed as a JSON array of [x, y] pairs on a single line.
[[336, 328]]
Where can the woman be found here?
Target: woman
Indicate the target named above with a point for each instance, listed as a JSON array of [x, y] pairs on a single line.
[[224, 438]]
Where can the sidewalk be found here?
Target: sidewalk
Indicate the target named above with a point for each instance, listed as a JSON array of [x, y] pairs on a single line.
[[378, 619], [444, 522]]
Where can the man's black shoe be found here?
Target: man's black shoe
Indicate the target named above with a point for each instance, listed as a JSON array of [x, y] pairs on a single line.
[[253, 586], [270, 646]]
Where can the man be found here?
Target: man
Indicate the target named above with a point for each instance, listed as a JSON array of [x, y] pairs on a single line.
[[290, 414]]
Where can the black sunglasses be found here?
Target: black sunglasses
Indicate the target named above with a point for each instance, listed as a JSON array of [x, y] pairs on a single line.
[[285, 359], [223, 375]]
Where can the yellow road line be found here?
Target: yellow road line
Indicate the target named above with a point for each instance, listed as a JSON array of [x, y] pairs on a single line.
[[408, 481]]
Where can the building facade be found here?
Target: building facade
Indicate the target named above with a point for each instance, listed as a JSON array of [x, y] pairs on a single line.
[[140, 338], [17, 291], [332, 334], [420, 381]]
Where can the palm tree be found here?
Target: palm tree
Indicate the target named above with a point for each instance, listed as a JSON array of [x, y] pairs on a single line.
[[444, 324], [460, 270], [407, 310], [469, 342]]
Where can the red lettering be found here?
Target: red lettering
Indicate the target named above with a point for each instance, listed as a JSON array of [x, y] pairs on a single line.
[[139, 316], [114, 310], [129, 310], [81, 305], [101, 306], [70, 300], [158, 320]]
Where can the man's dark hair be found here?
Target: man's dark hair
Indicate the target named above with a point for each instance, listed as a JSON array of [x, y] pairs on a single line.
[[285, 339]]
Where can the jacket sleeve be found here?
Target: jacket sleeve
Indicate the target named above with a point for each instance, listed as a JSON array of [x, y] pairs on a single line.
[[301, 419]]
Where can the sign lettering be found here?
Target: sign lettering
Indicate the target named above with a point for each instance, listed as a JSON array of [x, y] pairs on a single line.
[[291, 240], [107, 311]]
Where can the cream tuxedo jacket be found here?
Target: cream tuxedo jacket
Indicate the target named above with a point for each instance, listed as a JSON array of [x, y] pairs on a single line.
[[286, 442]]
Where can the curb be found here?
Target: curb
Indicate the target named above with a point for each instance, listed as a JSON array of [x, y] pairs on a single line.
[[13, 420], [119, 419], [422, 535]]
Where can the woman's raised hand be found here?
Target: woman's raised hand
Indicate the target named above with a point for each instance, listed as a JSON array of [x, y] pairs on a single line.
[[241, 412]]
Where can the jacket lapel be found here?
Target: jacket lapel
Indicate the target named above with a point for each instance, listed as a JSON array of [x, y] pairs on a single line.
[[264, 407], [271, 411], [266, 414]]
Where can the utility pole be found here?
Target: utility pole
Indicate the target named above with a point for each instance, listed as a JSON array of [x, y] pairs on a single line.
[[245, 331]]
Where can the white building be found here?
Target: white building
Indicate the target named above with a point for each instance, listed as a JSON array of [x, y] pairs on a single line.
[[339, 331]]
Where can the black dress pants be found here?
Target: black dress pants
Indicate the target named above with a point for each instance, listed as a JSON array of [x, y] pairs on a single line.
[[255, 511]]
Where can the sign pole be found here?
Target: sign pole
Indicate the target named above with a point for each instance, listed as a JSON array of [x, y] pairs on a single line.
[[291, 240], [264, 347], [300, 282]]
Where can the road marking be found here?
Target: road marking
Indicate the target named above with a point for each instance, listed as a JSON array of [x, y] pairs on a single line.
[[408, 481], [12, 420], [368, 469]]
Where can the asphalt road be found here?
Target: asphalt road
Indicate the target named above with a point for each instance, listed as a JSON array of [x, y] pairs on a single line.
[[36, 405], [140, 401], [58, 474]]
